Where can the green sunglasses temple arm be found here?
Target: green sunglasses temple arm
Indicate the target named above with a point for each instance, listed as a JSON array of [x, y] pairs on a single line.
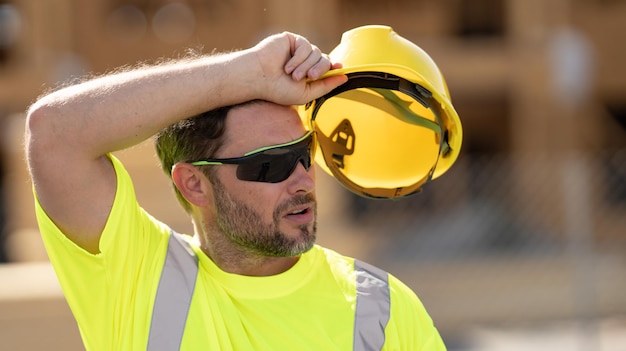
[[289, 143], [235, 160], [206, 163]]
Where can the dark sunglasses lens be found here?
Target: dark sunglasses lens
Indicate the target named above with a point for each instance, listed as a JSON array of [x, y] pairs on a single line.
[[274, 165]]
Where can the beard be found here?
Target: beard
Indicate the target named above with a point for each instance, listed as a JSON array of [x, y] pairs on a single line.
[[244, 226]]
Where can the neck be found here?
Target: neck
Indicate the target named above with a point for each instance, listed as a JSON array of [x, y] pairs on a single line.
[[250, 264], [237, 260]]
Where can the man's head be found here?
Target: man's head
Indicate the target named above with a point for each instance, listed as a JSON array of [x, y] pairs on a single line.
[[274, 217], [190, 139]]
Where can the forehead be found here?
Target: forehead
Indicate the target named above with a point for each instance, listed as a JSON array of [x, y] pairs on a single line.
[[260, 124]]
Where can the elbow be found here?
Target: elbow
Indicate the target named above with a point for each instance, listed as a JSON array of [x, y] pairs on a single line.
[[35, 116], [39, 128], [39, 113]]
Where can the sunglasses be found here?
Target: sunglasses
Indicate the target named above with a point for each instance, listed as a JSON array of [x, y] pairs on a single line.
[[270, 164]]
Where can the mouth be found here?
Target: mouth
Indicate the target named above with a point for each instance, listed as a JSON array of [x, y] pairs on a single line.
[[300, 214]]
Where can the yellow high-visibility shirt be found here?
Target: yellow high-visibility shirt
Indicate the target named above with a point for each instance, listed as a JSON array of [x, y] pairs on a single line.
[[309, 307]]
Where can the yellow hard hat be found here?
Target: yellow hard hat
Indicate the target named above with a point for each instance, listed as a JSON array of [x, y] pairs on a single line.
[[391, 127]]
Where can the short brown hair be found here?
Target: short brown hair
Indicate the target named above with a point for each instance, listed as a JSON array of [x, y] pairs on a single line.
[[193, 139]]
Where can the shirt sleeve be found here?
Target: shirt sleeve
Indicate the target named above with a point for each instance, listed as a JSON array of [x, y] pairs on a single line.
[[111, 291], [410, 326]]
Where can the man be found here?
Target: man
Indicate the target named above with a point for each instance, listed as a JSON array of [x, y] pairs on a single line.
[[251, 278]]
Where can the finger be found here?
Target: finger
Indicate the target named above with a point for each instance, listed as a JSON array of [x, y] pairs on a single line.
[[300, 49], [308, 60], [312, 65], [320, 67], [336, 65]]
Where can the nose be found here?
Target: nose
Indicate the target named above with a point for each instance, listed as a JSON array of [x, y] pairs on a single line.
[[302, 179]]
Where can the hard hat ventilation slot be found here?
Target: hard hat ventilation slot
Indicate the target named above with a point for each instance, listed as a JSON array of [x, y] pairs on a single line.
[[340, 143]]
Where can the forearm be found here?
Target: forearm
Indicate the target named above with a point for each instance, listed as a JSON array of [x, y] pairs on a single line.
[[120, 110]]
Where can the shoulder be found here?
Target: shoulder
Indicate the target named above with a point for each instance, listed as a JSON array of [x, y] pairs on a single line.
[[410, 323], [335, 261], [359, 271]]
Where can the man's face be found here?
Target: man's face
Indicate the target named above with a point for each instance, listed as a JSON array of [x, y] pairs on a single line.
[[271, 219], [245, 226]]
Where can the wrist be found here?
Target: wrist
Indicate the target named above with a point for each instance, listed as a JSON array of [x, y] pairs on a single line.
[[242, 77], [229, 78]]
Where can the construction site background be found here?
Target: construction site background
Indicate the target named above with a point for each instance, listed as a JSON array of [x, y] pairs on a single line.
[[521, 245]]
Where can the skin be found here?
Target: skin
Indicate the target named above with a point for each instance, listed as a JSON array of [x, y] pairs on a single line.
[[286, 209], [69, 132]]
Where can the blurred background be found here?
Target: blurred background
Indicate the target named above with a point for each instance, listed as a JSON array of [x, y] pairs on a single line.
[[520, 246]]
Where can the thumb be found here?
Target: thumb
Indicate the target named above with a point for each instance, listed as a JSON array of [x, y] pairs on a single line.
[[320, 87]]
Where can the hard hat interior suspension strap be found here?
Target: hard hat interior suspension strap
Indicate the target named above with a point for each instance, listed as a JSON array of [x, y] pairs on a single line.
[[334, 147]]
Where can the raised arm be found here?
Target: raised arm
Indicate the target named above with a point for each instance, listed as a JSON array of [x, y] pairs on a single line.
[[70, 131]]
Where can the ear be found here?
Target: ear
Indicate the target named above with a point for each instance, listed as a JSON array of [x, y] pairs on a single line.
[[192, 184]]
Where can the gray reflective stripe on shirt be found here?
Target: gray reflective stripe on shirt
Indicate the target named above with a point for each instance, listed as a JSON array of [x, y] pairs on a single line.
[[173, 297], [372, 307], [178, 280]]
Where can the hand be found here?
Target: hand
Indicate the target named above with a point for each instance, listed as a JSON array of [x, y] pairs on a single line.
[[291, 67]]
